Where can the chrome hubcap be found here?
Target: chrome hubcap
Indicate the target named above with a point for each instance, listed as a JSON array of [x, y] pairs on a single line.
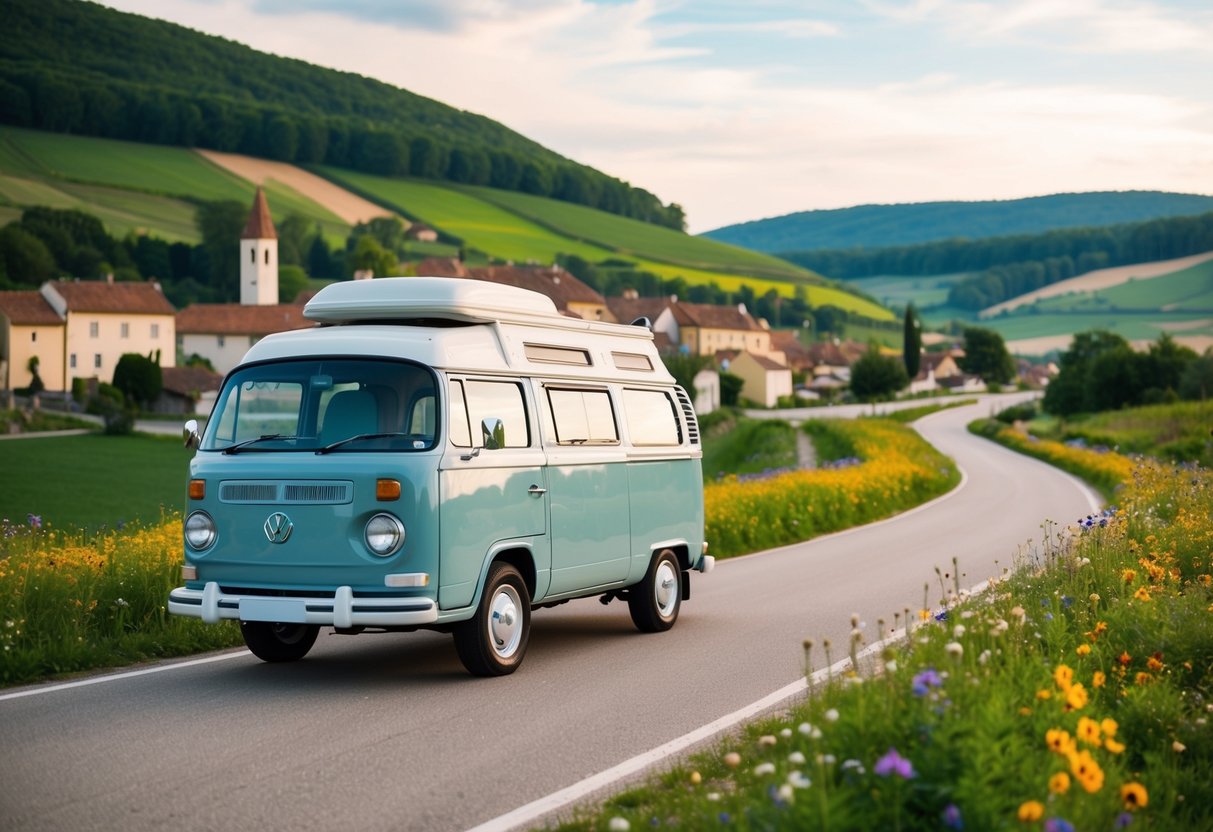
[[665, 588], [505, 621]]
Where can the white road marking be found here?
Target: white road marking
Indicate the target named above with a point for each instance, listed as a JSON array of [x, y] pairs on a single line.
[[96, 680]]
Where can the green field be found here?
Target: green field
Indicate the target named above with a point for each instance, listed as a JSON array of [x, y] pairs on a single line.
[[895, 291], [93, 480], [134, 187], [1189, 289]]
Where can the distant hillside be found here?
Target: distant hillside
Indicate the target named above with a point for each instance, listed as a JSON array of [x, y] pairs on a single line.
[[878, 226], [81, 68]]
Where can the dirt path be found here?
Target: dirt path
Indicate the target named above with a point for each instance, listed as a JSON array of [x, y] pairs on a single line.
[[350, 207], [1101, 279]]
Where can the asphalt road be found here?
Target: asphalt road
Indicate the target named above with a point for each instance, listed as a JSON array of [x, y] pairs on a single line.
[[387, 732]]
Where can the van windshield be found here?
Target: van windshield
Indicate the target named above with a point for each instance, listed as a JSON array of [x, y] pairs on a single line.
[[325, 406]]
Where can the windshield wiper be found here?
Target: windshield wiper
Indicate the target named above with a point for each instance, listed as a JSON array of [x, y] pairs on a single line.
[[263, 438], [359, 437]]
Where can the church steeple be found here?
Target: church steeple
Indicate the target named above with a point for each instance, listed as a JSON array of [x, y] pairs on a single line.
[[259, 256]]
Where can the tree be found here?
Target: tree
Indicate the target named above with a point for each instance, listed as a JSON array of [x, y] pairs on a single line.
[[730, 389], [139, 378], [1068, 393], [685, 366], [875, 376], [986, 355], [291, 281], [221, 224], [35, 384], [26, 259], [1196, 383], [912, 342]]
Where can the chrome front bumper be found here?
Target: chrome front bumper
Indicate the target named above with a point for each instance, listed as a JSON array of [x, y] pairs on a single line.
[[342, 610]]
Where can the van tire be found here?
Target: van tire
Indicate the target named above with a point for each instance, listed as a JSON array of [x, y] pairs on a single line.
[[273, 642], [493, 641], [654, 602]]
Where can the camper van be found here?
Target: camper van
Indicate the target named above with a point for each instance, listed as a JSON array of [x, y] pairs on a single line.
[[441, 454]]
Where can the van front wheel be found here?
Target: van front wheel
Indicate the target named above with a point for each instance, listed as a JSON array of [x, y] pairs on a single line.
[[493, 641], [272, 642], [654, 602]]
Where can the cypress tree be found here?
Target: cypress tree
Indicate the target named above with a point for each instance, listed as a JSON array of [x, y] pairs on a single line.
[[912, 342]]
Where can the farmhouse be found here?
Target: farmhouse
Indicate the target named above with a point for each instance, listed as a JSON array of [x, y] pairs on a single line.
[[30, 328]]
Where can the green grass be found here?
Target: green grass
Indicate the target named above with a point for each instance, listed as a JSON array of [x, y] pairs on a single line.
[[1190, 288], [92, 481], [748, 446], [1178, 432], [1133, 327], [639, 239], [895, 291]]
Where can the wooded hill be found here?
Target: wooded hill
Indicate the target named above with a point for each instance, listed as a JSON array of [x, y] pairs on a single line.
[[882, 226], [1004, 267], [77, 67]]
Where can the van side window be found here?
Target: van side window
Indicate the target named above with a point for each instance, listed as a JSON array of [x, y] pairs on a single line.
[[461, 436], [583, 416], [497, 400], [652, 418]]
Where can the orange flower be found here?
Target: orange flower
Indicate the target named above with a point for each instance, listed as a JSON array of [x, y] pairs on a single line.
[[1063, 676], [1142, 594], [1124, 658], [1128, 575], [1076, 697], [1044, 694], [1143, 678], [1113, 746], [1059, 783], [1083, 649], [1134, 796], [1109, 726], [1031, 811], [1097, 681], [1153, 663], [1088, 731], [1059, 741], [1087, 771]]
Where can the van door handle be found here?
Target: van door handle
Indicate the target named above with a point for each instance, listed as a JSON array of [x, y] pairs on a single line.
[[536, 490]]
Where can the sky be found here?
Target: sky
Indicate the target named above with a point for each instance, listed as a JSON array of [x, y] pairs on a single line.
[[744, 110]]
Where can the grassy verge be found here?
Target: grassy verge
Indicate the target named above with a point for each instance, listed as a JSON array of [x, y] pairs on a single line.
[[92, 481], [39, 420], [887, 468], [1072, 694], [1106, 470], [747, 446]]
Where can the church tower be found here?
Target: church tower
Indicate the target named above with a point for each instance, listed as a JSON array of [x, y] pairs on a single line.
[[259, 257]]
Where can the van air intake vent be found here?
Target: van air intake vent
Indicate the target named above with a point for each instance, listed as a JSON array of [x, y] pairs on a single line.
[[689, 412]]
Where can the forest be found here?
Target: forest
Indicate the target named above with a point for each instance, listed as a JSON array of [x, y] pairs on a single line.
[[1004, 267], [76, 67]]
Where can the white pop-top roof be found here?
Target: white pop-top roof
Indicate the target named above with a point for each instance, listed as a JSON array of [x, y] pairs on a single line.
[[395, 298]]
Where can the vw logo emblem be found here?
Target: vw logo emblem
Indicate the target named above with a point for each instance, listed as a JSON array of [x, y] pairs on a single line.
[[278, 527]]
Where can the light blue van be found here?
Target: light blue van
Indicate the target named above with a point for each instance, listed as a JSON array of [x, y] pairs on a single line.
[[441, 454]]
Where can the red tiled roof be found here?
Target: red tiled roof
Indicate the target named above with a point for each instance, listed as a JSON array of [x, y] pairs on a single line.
[[235, 319], [27, 308], [553, 281], [441, 267], [260, 225], [708, 316], [627, 310], [103, 296], [188, 380]]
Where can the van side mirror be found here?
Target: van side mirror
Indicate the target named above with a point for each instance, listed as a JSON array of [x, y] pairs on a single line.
[[493, 432], [190, 434]]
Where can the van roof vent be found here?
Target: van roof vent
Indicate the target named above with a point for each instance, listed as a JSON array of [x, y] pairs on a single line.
[[689, 412]]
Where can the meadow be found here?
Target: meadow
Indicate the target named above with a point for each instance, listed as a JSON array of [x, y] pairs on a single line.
[[1072, 693]]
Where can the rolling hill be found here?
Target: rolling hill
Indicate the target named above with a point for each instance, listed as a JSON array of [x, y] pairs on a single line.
[[877, 226]]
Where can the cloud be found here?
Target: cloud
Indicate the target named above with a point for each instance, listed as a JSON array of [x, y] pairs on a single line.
[[431, 15]]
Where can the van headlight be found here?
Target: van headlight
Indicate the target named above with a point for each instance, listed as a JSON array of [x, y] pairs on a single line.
[[384, 535], [199, 530]]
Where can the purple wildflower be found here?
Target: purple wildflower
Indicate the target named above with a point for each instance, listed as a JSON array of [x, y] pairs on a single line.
[[951, 817], [894, 763], [1058, 825], [35, 520], [924, 681], [1123, 820]]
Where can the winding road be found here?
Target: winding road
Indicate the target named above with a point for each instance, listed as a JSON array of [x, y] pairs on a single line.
[[387, 732]]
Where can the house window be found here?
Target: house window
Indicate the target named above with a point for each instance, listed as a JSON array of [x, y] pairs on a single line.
[[72, 361], [267, 257], [221, 340], [155, 330], [252, 255], [33, 336], [94, 329], [97, 360], [126, 330]]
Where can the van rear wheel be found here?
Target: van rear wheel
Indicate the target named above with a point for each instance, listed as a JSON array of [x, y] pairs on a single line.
[[272, 642], [494, 640], [654, 602]]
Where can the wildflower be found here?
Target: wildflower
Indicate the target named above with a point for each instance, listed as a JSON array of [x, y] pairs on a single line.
[[955, 649], [1113, 746], [1031, 811], [1059, 783], [1109, 726], [1154, 663], [732, 759], [35, 520], [713, 796], [1086, 771], [1123, 820], [1124, 658], [619, 825], [796, 758], [810, 731], [1058, 825], [1178, 747], [1083, 649], [924, 681], [764, 768], [831, 715], [1044, 694], [894, 763], [958, 631], [1142, 594], [1076, 697], [797, 780], [984, 657], [853, 765], [1063, 676], [1134, 796], [1088, 731], [784, 795], [951, 817], [1128, 576], [1098, 680], [767, 739], [1143, 678], [1018, 612], [1058, 740], [696, 778]]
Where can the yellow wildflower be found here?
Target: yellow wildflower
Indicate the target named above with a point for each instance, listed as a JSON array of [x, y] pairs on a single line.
[[1134, 796], [1076, 697], [1097, 681], [1083, 649], [1142, 594], [1031, 811], [1059, 783], [1063, 676], [1088, 731]]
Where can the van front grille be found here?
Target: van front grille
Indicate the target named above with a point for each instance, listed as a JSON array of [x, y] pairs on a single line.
[[309, 492]]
